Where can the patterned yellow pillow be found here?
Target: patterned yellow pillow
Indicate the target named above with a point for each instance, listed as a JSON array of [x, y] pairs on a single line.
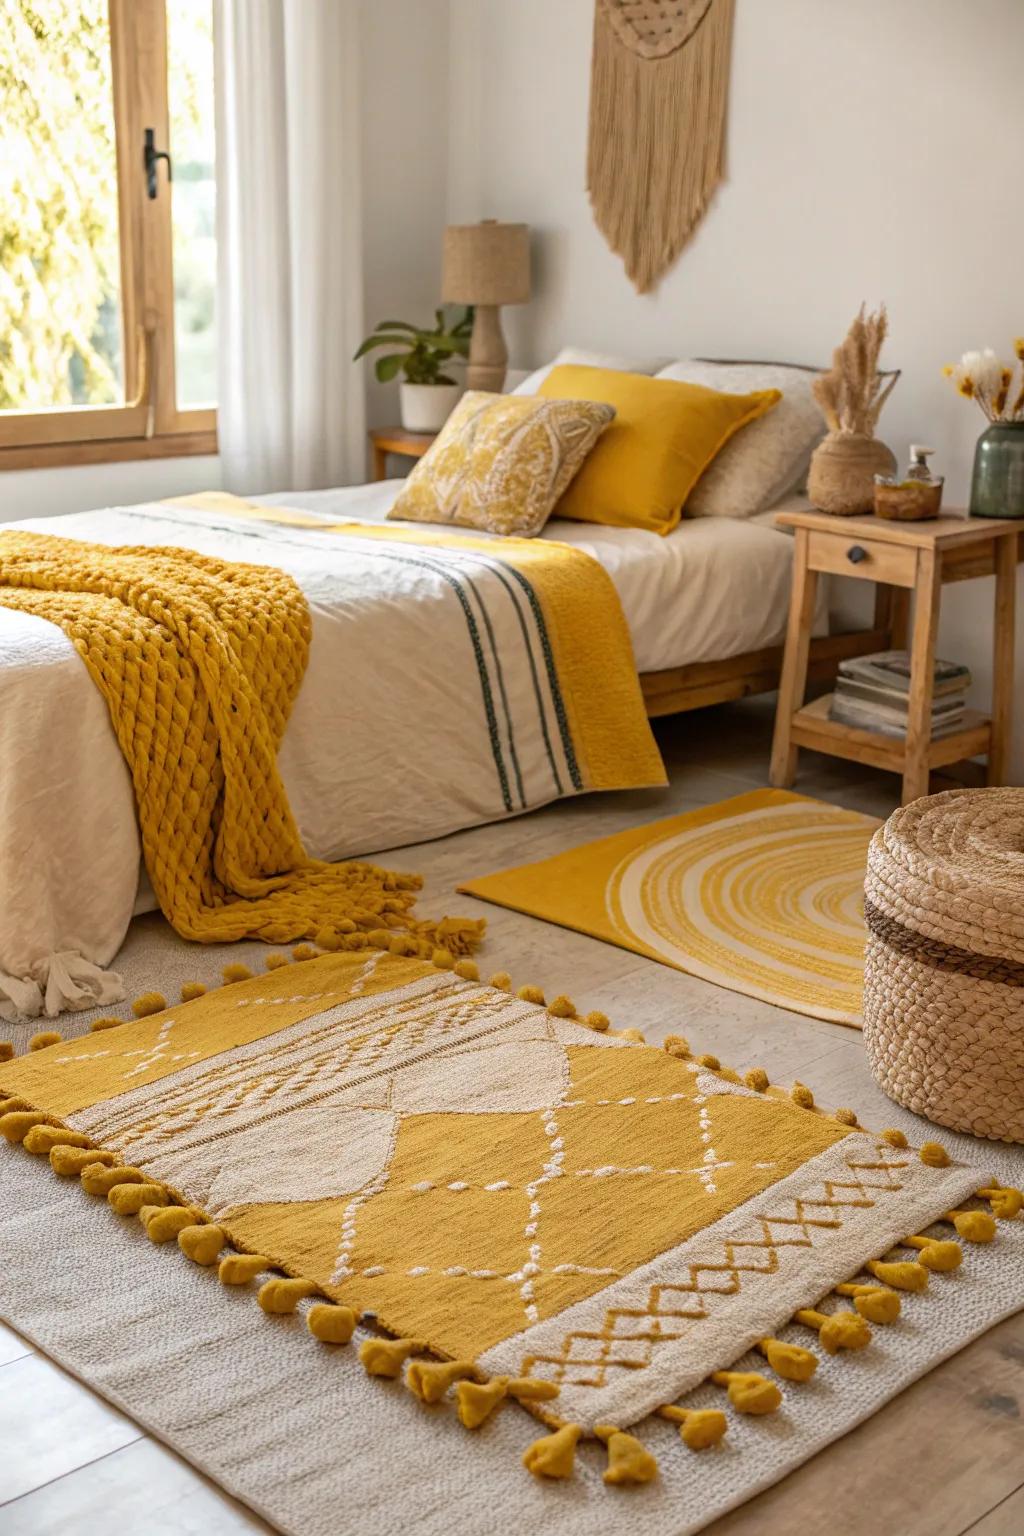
[[501, 462]]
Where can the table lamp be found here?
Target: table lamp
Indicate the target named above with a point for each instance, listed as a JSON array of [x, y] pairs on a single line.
[[486, 265]]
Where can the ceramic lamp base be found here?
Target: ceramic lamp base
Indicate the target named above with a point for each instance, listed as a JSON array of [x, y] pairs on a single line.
[[488, 354]]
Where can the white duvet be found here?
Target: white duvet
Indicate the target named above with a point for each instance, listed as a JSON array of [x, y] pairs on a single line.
[[69, 845]]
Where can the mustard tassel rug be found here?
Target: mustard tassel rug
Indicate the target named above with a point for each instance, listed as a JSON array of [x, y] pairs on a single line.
[[535, 1213], [762, 894]]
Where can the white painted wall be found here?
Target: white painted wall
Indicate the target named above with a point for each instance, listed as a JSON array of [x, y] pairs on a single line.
[[874, 153]]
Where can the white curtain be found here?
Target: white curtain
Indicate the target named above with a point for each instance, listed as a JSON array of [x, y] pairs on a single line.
[[291, 411]]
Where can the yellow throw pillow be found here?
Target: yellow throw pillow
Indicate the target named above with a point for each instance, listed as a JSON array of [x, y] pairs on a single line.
[[664, 436], [501, 462]]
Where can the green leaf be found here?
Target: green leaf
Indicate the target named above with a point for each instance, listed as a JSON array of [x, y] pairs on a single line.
[[387, 368], [381, 341]]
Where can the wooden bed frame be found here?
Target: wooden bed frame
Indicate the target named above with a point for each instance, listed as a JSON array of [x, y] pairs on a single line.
[[716, 682]]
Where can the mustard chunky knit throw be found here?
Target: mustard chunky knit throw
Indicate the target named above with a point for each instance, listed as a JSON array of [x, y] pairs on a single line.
[[200, 661]]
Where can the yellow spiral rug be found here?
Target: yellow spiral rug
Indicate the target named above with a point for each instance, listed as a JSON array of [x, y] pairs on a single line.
[[501, 1201], [762, 894]]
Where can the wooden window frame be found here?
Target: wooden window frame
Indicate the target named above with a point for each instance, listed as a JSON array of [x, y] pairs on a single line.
[[149, 424]]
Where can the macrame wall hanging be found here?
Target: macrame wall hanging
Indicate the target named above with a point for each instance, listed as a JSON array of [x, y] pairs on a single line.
[[658, 89]]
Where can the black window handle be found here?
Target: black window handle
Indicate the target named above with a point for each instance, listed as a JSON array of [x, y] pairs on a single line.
[[150, 156], [856, 553]]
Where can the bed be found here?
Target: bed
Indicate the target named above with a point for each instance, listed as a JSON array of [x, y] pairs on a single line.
[[711, 595]]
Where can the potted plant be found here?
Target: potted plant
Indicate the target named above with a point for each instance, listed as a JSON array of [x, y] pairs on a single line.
[[997, 485], [428, 393]]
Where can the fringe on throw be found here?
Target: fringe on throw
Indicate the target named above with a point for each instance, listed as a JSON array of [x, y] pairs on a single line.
[[656, 149]]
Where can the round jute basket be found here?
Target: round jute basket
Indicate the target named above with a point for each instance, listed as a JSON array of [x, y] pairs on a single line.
[[944, 971]]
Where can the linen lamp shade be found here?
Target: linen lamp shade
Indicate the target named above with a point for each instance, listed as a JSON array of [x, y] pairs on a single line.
[[486, 265]]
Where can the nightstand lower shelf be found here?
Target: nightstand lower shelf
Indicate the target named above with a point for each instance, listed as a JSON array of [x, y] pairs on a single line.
[[811, 727]]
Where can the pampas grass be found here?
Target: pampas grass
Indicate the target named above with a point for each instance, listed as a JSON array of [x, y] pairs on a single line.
[[852, 393]]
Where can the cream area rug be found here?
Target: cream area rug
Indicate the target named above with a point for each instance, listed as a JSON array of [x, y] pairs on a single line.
[[762, 894], [216, 1119]]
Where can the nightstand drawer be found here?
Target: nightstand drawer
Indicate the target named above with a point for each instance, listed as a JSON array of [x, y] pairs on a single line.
[[871, 559]]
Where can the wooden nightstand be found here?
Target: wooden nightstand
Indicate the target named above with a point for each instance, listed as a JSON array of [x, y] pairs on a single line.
[[385, 440], [902, 558]]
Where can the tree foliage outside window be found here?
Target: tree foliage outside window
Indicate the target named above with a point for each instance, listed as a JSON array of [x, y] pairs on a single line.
[[60, 301]]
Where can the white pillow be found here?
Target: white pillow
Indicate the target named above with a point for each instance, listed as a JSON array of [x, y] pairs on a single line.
[[584, 359], [767, 457]]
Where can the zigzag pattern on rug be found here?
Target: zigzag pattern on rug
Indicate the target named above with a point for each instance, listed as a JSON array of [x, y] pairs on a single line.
[[904, 1266]]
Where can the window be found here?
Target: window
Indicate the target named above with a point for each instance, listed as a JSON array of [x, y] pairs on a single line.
[[107, 248]]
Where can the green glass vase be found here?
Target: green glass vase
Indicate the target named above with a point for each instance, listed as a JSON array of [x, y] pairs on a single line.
[[997, 485]]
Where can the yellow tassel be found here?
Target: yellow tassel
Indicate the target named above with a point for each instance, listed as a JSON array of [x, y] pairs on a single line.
[[331, 1325], [629, 1460], [42, 1138], [236, 971], [46, 1037], [240, 1268], [846, 1116], [632, 1034], [105, 1023], [276, 960], [728, 1075], [385, 1357], [279, 1297], [749, 1392], [429, 1380], [14, 1127], [501, 981], [190, 990], [443, 959], [168, 1223], [699, 1428], [128, 1199], [8, 1106], [149, 1002], [553, 1455], [71, 1160], [307, 952], [201, 1244], [676, 1045], [942, 1257], [757, 1079], [789, 1360], [901, 1276], [894, 1138], [531, 995], [597, 1021], [530, 1389], [934, 1155], [329, 939], [1007, 1203], [711, 1062], [972, 1226], [873, 1302], [802, 1096], [6, 1050], [843, 1330], [562, 1007], [467, 969], [98, 1180], [477, 1400]]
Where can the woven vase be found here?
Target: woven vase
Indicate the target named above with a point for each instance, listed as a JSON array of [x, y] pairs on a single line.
[[944, 966], [843, 470]]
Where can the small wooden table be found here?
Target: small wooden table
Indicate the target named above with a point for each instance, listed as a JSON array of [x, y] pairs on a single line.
[[901, 558], [385, 440]]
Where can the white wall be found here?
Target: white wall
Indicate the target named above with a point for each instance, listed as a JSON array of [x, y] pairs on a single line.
[[874, 153]]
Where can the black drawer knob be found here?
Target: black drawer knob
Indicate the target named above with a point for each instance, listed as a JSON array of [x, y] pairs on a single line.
[[856, 553]]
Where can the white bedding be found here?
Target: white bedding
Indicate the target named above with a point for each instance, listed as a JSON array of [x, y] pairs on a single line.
[[69, 845]]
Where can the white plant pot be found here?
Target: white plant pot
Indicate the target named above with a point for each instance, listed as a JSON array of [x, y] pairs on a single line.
[[426, 407]]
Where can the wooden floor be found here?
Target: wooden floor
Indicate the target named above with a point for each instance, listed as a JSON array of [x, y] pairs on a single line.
[[944, 1459]]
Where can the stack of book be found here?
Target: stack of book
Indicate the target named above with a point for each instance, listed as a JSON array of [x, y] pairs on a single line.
[[872, 693]]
